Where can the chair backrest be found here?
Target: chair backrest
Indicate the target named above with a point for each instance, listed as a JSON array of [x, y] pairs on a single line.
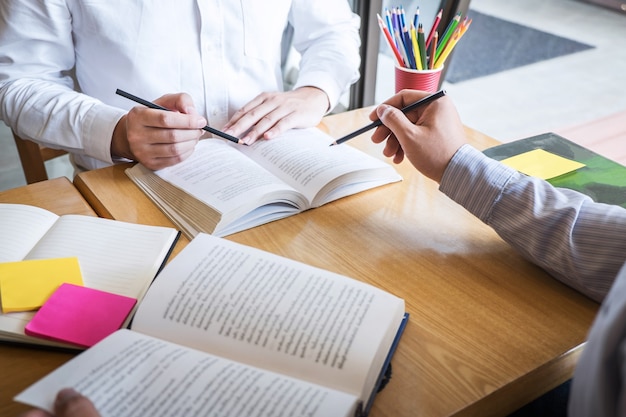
[[33, 157]]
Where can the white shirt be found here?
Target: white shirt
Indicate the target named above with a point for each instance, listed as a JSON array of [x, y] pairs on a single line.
[[221, 52], [580, 242]]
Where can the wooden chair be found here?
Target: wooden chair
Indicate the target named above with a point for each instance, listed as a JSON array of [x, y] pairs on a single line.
[[33, 157]]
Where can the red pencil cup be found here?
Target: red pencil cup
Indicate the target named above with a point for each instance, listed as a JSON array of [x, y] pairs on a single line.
[[425, 80]]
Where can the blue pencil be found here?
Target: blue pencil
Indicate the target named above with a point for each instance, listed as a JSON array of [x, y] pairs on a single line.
[[388, 20], [406, 37], [402, 18]]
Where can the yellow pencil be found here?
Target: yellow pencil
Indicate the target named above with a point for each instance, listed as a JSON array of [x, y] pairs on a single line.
[[416, 50], [458, 34], [448, 48]]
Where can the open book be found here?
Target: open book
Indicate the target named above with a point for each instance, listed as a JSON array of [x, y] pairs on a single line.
[[223, 188], [232, 327], [117, 257]]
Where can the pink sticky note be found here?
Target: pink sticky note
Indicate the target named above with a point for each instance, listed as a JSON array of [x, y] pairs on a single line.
[[80, 315]]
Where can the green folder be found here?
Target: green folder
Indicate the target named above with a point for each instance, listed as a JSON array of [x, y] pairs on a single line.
[[602, 179]]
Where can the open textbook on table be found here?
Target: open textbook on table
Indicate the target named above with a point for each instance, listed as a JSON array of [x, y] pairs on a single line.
[[223, 188], [232, 328]]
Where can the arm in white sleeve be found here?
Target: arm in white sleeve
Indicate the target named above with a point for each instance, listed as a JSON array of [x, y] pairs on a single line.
[[578, 241], [326, 34], [37, 97]]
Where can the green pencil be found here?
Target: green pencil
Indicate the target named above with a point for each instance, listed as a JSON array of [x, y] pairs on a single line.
[[449, 30], [422, 45]]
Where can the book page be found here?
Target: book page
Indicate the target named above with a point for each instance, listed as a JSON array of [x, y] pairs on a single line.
[[130, 375], [21, 227], [226, 180], [303, 159], [267, 311], [117, 257]]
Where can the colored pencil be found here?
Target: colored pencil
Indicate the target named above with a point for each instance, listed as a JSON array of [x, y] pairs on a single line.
[[406, 37], [433, 28], [422, 46], [416, 50], [402, 17], [388, 20], [402, 49], [447, 34], [390, 42], [416, 17], [446, 51], [458, 34], [433, 50]]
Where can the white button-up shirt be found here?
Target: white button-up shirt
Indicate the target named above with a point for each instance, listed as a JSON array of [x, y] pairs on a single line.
[[221, 52]]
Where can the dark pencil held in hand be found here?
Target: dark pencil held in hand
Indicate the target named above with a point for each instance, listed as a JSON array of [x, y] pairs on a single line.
[[424, 101], [157, 107]]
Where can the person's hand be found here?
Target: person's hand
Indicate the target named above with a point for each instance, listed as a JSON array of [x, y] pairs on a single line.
[[158, 138], [68, 403], [270, 114], [428, 136]]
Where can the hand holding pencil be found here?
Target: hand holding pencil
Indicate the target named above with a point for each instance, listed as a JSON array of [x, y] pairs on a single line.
[[157, 138], [428, 136], [412, 106]]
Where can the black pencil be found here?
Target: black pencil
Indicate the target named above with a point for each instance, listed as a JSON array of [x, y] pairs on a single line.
[[377, 123], [157, 107]]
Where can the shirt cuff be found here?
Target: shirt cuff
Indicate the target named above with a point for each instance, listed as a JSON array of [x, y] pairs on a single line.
[[98, 129], [324, 82], [475, 181]]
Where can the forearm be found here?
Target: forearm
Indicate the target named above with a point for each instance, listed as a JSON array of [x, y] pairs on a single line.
[[56, 116], [329, 45], [581, 243]]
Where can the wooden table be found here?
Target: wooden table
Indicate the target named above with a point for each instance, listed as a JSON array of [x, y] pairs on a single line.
[[488, 330], [23, 365]]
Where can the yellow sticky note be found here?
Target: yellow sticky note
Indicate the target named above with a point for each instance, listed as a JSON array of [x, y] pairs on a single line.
[[542, 164], [27, 285]]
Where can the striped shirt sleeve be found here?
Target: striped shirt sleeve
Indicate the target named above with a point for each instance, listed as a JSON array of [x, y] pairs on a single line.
[[578, 241]]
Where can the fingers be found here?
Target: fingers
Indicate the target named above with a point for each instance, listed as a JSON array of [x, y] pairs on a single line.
[[400, 100], [260, 118], [159, 138], [181, 102], [271, 114], [427, 136], [70, 403]]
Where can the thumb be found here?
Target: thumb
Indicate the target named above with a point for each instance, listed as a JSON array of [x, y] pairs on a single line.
[[393, 118], [70, 403]]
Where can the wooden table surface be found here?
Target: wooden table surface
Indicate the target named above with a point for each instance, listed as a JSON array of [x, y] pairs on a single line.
[[488, 331]]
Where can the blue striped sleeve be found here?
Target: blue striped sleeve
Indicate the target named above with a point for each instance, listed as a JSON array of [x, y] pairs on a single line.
[[578, 241]]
